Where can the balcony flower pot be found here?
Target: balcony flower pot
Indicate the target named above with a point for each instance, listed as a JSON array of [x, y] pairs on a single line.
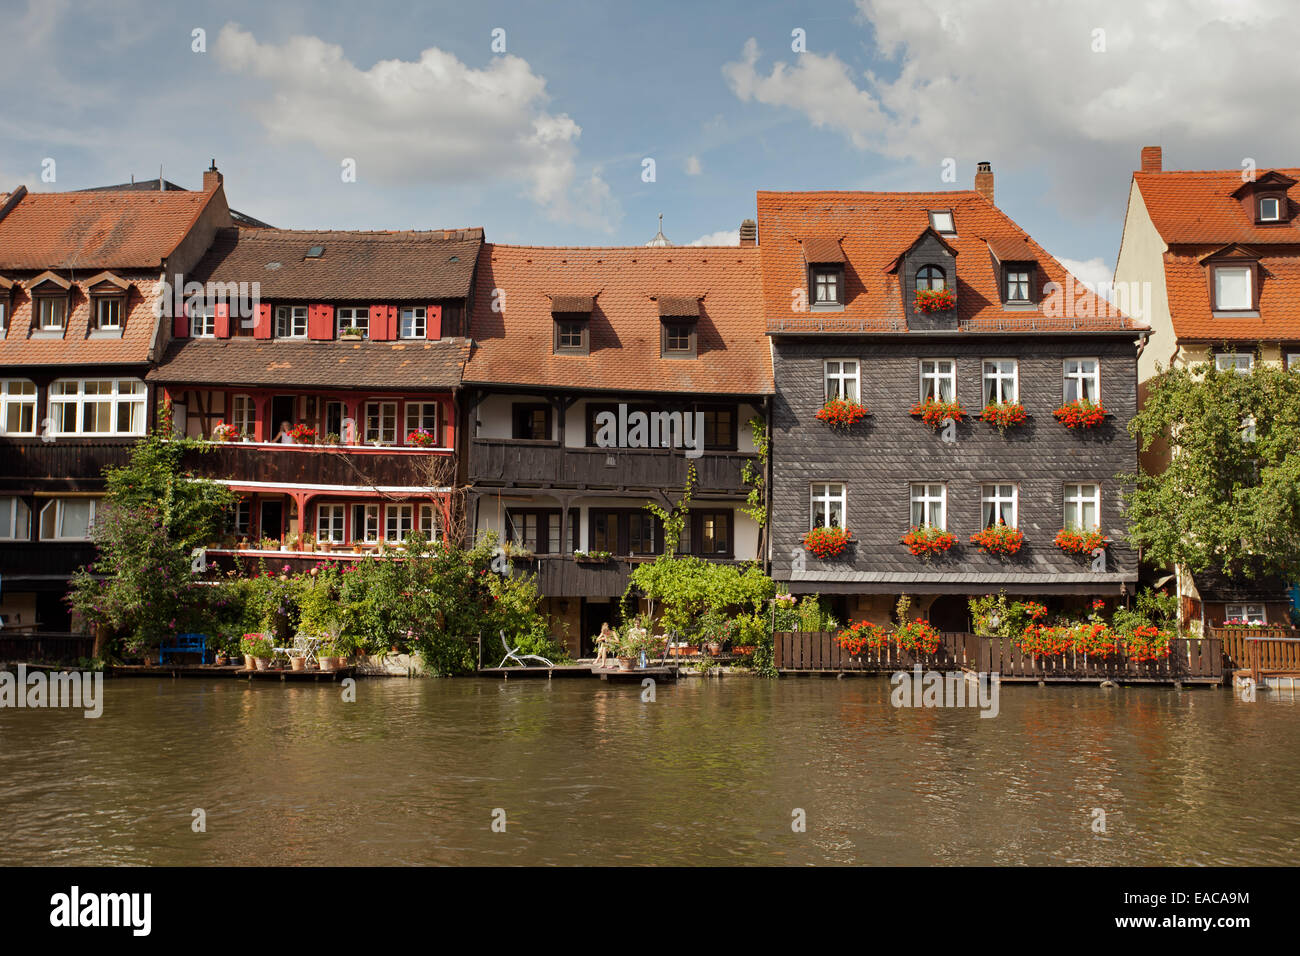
[[934, 412], [350, 335], [936, 300], [1080, 414], [1074, 541], [422, 438], [827, 542], [999, 539], [1003, 415], [221, 660], [927, 541], [841, 413]]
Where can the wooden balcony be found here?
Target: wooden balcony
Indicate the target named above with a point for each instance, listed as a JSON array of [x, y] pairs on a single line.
[[342, 465], [510, 462], [37, 560], [65, 464]]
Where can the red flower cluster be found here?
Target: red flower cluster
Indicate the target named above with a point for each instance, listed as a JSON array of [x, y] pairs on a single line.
[[1147, 643], [841, 412], [999, 539], [1080, 414], [1003, 415], [826, 542], [1034, 610], [422, 438], [1079, 542], [918, 635], [935, 300], [861, 635], [926, 541], [1096, 640], [934, 412], [304, 434]]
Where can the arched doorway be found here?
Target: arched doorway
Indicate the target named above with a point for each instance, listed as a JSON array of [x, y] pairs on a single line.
[[950, 612]]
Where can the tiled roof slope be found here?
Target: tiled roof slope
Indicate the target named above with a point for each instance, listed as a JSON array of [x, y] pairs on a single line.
[[1199, 208], [873, 230], [514, 345], [93, 230], [369, 365], [75, 347], [355, 266], [1196, 214]]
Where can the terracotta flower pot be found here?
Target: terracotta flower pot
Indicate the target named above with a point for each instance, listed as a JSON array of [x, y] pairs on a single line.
[[626, 663], [262, 663], [328, 663], [298, 663], [248, 662]]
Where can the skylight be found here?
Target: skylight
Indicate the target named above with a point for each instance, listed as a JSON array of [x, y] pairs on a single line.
[[941, 221]]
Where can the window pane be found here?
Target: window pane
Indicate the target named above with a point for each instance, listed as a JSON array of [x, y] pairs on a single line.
[[1232, 288]]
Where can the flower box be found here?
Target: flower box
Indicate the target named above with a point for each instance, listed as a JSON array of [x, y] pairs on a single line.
[[1003, 415], [999, 539], [841, 413], [927, 541], [1073, 541], [422, 438], [592, 557], [827, 542], [935, 300], [1080, 414], [934, 412]]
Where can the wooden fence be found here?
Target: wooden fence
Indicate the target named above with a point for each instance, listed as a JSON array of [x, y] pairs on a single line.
[[1237, 641], [42, 647], [1190, 660], [1273, 656]]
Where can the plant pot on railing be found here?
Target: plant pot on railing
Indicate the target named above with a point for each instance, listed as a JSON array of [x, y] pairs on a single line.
[[422, 438], [1080, 414]]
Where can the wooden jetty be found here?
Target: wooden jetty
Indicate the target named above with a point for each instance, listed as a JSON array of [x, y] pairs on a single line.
[[664, 674], [231, 670]]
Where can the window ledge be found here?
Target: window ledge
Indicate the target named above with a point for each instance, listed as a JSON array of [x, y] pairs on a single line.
[[815, 307], [1236, 314], [105, 334], [46, 334], [1019, 306]]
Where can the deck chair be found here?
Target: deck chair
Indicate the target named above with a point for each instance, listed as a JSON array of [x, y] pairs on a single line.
[[513, 655]]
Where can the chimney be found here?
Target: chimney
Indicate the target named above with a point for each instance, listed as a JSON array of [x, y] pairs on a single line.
[[211, 178], [1152, 161], [984, 180], [749, 233]]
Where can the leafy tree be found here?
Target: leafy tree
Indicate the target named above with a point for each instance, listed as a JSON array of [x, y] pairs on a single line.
[[1229, 498]]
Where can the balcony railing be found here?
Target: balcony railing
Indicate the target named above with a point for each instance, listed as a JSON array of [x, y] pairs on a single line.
[[70, 464], [534, 463], [349, 465]]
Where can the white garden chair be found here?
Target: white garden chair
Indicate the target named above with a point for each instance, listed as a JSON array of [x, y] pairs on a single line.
[[514, 655]]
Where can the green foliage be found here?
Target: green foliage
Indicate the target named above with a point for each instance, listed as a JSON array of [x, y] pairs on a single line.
[[1150, 609], [1226, 500], [674, 519], [688, 587], [754, 473]]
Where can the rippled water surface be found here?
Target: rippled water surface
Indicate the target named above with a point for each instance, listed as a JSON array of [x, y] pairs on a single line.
[[710, 772]]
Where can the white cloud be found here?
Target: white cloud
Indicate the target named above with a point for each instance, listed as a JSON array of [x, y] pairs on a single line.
[[431, 121], [1024, 88], [693, 167], [724, 237], [1094, 273]]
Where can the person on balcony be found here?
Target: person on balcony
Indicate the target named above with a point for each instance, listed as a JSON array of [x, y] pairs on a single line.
[[283, 436]]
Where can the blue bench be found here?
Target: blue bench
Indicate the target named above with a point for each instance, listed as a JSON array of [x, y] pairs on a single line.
[[184, 644]]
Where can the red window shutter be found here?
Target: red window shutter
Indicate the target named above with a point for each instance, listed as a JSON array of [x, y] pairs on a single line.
[[380, 330], [320, 321], [223, 320], [262, 328], [433, 323], [181, 324]]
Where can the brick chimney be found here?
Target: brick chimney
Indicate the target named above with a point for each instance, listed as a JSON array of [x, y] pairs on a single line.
[[1152, 161], [984, 180], [749, 233], [211, 178]]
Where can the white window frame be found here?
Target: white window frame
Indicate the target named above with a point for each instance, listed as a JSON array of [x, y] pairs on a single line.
[[421, 409], [1000, 496], [1243, 613], [1075, 498], [51, 300], [995, 378], [403, 515], [331, 521], [136, 400], [4, 317], [114, 304], [1277, 209], [1250, 289], [290, 321], [58, 504], [936, 225], [382, 432], [203, 324], [244, 419], [370, 519], [429, 522], [931, 370], [839, 382], [1017, 280], [1074, 371], [10, 398], [414, 322], [923, 496], [1231, 362], [17, 507], [823, 500], [358, 316]]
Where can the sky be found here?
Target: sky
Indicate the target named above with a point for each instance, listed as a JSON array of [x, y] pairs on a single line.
[[579, 122]]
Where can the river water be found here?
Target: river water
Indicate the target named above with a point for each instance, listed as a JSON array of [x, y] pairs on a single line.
[[709, 772]]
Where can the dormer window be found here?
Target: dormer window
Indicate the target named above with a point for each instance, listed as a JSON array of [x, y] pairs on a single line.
[[108, 313], [941, 221], [1270, 209], [204, 323], [571, 336], [1264, 199], [572, 317], [930, 278], [678, 317], [52, 313], [1233, 289], [1017, 284], [827, 286], [825, 260]]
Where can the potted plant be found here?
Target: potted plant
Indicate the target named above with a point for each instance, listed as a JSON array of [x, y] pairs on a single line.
[[999, 539], [1076, 541], [350, 332], [307, 542], [591, 557], [630, 645], [223, 432], [926, 541], [303, 434], [358, 547], [325, 656], [257, 651], [422, 438], [1003, 415], [827, 542], [934, 412], [1080, 414], [331, 438], [936, 300], [841, 413]]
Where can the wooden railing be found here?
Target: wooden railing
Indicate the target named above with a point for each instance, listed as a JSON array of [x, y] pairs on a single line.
[[349, 465], [1273, 655], [45, 648], [1189, 659], [72, 464], [1236, 641]]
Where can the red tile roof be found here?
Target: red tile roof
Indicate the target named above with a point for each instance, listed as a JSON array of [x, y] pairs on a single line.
[[873, 229], [75, 346], [114, 230], [1196, 214], [514, 346]]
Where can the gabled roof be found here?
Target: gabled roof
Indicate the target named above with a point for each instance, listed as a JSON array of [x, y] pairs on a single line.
[[514, 346], [1199, 207], [355, 266], [94, 231], [166, 185], [876, 229]]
